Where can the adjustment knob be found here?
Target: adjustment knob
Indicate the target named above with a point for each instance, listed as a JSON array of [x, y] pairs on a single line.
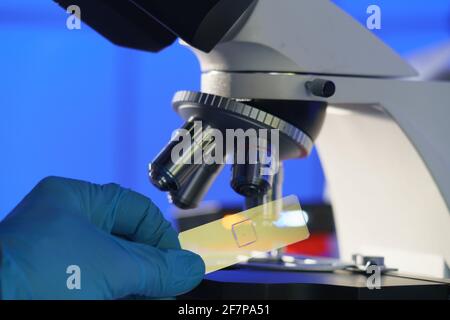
[[321, 88]]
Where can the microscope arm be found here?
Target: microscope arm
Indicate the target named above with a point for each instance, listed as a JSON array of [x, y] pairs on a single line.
[[384, 143]]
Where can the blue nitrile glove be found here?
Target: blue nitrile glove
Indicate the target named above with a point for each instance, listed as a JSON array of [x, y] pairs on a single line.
[[117, 238]]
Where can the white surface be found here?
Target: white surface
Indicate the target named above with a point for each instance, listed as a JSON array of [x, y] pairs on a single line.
[[384, 199], [307, 36]]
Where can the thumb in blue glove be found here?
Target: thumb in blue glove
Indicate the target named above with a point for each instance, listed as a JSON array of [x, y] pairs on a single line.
[[116, 238]]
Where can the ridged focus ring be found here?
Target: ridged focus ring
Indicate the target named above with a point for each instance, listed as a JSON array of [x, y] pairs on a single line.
[[262, 118]]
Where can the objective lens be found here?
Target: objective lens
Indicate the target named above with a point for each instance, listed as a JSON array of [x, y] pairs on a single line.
[[252, 178], [193, 191], [166, 174], [172, 167], [248, 181], [273, 193]]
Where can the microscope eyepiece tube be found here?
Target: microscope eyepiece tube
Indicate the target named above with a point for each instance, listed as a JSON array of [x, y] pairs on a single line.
[[179, 159]]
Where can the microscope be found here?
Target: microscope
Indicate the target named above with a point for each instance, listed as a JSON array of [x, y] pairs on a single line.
[[309, 71]]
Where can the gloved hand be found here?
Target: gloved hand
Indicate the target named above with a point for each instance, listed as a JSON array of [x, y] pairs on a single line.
[[117, 238]]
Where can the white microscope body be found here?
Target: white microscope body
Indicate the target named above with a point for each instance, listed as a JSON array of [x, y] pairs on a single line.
[[385, 144]]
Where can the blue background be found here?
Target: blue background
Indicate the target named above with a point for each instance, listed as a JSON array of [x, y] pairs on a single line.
[[74, 105]]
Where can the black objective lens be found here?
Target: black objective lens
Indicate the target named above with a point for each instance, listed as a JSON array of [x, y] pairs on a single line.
[[248, 181], [252, 178], [193, 191], [166, 174], [169, 173]]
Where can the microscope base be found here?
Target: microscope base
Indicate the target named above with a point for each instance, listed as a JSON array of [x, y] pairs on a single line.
[[277, 285]]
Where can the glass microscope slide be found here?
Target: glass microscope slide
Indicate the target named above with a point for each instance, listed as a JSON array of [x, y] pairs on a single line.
[[248, 234]]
